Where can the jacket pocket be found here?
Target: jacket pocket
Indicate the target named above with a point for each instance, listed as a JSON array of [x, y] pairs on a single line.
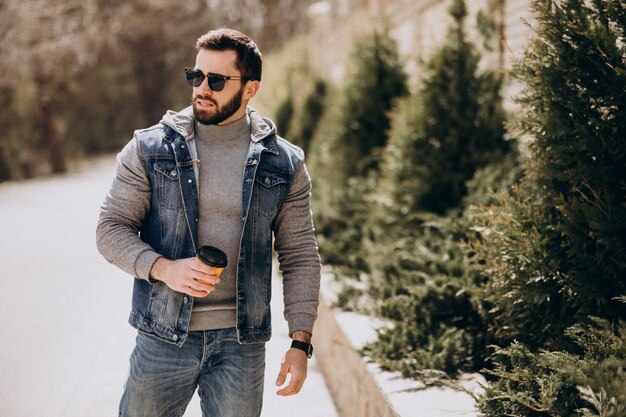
[[168, 184], [269, 191]]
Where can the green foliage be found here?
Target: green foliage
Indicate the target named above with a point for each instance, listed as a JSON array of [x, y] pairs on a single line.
[[419, 281], [286, 73], [377, 80], [312, 112], [422, 281], [341, 235], [553, 251], [531, 384], [284, 116], [322, 160], [296, 111], [451, 127], [451, 131], [575, 107], [523, 285], [349, 143], [559, 383]]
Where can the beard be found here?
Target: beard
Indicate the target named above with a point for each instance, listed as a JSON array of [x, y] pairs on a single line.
[[221, 113]]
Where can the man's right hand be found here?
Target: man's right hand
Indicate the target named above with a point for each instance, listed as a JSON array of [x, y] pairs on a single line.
[[188, 276]]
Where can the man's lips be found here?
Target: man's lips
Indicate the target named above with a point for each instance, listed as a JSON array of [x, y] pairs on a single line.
[[205, 101]]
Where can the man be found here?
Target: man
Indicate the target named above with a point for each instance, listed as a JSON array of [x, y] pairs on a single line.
[[213, 174]]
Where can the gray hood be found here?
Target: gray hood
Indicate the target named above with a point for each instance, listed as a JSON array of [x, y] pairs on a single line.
[[183, 123]]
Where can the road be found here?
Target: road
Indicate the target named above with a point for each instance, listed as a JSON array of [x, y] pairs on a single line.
[[64, 337]]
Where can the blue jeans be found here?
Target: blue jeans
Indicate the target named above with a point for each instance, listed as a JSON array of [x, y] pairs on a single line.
[[163, 377]]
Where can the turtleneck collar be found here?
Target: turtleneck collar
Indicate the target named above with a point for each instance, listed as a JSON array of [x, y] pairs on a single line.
[[224, 133]]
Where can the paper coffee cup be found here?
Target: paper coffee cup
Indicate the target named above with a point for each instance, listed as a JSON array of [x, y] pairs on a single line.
[[213, 257]]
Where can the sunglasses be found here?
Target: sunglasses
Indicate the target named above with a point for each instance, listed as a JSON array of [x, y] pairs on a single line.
[[216, 82]]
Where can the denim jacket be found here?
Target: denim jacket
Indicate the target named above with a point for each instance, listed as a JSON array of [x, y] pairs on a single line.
[[152, 211]]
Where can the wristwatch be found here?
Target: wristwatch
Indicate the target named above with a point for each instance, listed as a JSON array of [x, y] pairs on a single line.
[[306, 347]]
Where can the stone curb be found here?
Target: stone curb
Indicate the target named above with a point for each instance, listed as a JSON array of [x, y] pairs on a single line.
[[362, 389], [353, 388]]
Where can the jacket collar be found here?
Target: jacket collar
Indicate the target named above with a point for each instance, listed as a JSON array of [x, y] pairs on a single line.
[[183, 123]]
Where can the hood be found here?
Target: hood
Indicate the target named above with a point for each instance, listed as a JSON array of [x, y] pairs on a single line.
[[183, 123]]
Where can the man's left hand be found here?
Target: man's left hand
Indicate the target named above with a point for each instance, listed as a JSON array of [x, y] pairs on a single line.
[[295, 363]]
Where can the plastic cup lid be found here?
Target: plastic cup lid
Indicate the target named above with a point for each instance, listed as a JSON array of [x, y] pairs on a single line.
[[212, 256]]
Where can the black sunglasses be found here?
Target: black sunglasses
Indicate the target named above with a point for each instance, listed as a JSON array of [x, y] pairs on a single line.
[[216, 81]]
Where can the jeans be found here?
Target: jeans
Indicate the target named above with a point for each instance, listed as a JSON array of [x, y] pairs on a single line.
[[163, 377]]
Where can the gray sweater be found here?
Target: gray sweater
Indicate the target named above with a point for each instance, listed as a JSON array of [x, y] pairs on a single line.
[[222, 152], [128, 201]]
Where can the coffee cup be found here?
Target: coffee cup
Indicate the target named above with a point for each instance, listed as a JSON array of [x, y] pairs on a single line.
[[213, 257]]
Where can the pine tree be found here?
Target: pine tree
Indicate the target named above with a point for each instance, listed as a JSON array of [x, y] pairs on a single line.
[[312, 112], [441, 138], [284, 116], [356, 138], [557, 247], [453, 126], [555, 250], [377, 81]]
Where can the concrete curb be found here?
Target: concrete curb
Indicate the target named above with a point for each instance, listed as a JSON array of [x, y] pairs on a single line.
[[353, 388]]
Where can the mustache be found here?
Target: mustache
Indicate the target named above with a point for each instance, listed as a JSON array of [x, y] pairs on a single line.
[[201, 97]]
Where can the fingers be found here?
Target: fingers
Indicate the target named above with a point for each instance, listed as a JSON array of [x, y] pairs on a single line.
[[190, 276], [202, 272], [195, 293], [204, 279], [295, 364], [295, 385], [282, 375], [201, 267]]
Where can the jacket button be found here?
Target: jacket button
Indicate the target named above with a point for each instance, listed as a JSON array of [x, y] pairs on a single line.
[[173, 173], [185, 300], [189, 181], [175, 337]]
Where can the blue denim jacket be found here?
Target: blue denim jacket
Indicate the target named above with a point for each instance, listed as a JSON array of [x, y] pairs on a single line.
[[275, 204]]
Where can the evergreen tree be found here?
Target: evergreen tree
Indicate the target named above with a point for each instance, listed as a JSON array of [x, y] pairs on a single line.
[[554, 252], [312, 112], [453, 126], [557, 249], [377, 81], [284, 116], [441, 138], [356, 135]]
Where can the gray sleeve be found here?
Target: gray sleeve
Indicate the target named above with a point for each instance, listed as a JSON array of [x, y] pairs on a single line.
[[298, 255], [122, 213]]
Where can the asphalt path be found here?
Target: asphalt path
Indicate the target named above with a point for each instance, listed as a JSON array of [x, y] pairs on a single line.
[[64, 337]]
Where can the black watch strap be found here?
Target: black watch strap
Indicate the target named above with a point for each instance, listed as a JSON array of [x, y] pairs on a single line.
[[306, 347]]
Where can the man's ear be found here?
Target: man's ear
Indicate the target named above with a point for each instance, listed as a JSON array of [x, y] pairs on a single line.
[[251, 89]]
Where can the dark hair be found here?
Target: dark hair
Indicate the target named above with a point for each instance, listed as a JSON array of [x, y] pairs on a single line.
[[249, 60]]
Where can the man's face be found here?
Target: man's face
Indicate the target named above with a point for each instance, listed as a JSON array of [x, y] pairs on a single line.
[[218, 107]]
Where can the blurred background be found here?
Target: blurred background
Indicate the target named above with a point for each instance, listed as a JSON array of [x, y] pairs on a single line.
[[77, 77]]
